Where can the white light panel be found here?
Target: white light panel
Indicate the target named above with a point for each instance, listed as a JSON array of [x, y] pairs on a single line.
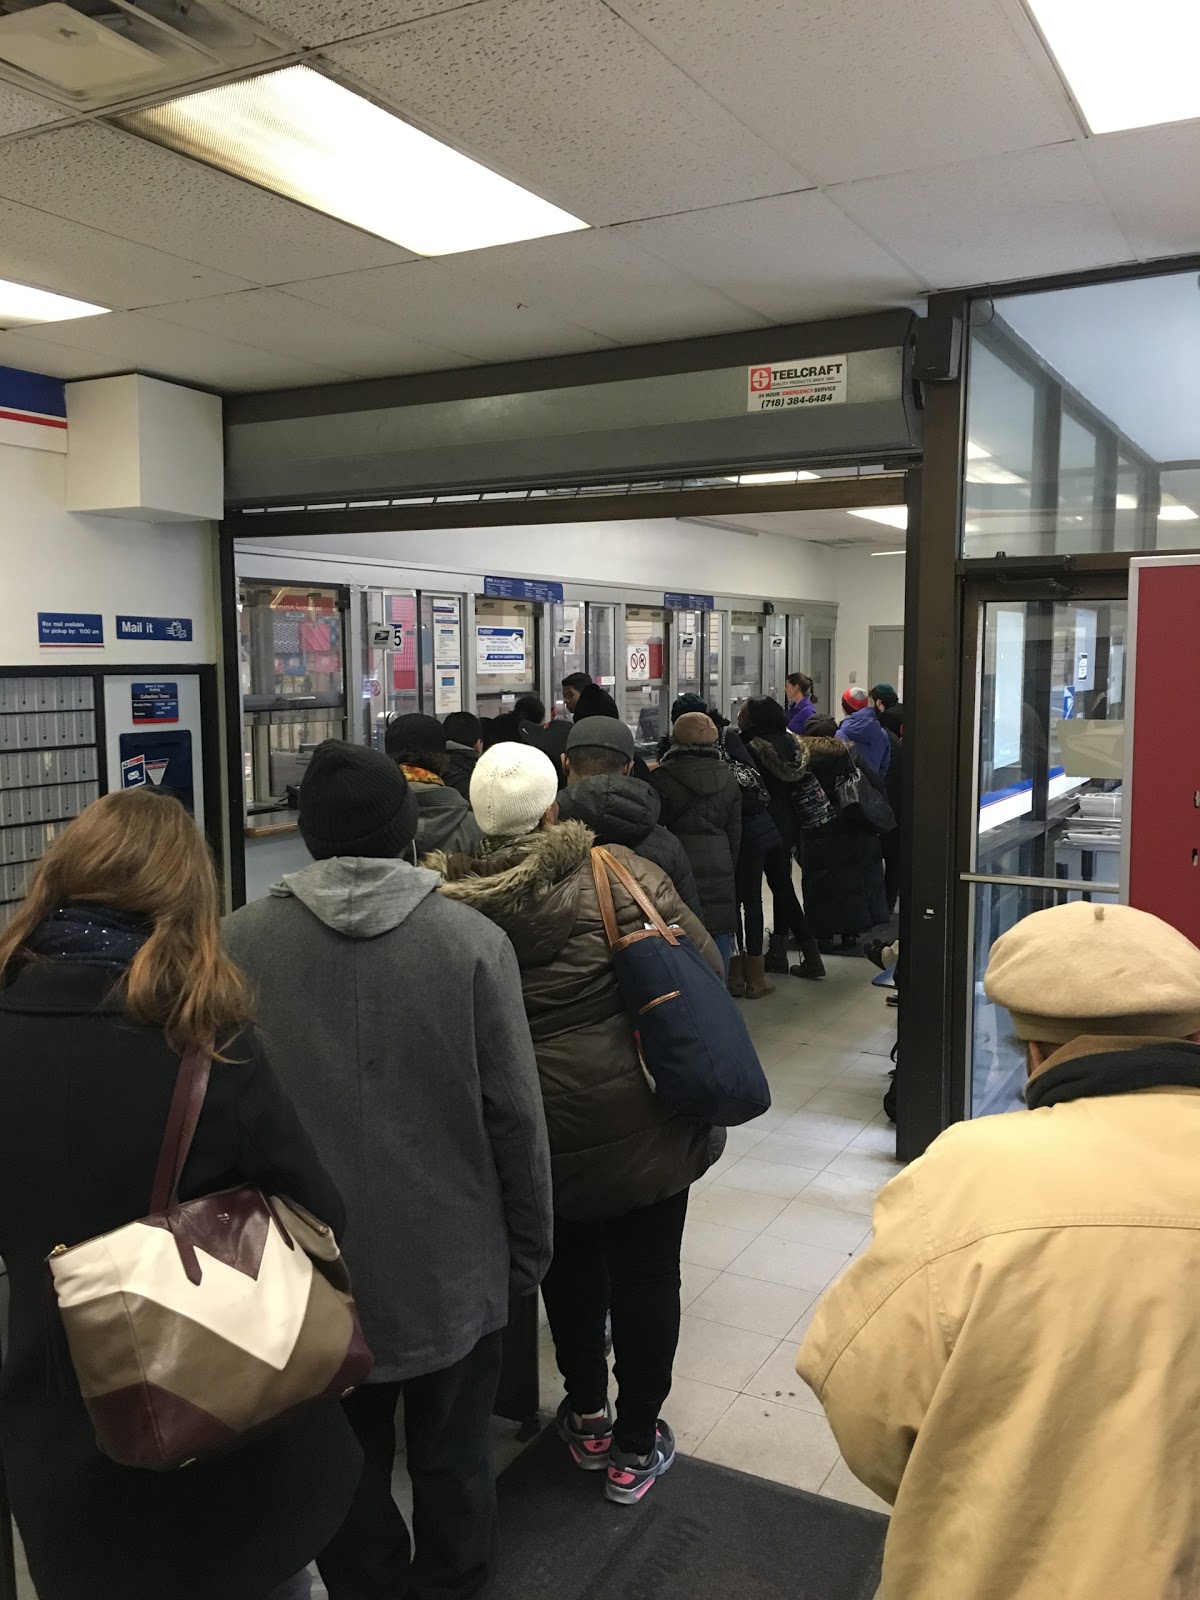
[[301, 135], [773, 477], [890, 516], [1174, 512], [20, 305], [1128, 66]]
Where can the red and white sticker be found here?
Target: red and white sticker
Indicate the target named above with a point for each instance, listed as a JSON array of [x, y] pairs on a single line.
[[810, 381]]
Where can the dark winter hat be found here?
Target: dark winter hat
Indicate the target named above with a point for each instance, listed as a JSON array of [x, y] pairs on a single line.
[[423, 736], [355, 802], [601, 733], [685, 705], [883, 691]]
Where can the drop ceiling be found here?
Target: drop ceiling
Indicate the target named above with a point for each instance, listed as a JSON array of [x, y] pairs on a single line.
[[741, 162]]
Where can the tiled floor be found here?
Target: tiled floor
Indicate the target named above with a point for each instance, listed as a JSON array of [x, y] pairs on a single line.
[[769, 1228]]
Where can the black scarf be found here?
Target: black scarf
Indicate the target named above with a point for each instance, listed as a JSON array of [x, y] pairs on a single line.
[[1174, 1064], [90, 936]]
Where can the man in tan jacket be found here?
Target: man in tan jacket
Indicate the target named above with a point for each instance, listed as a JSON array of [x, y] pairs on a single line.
[[1015, 1362]]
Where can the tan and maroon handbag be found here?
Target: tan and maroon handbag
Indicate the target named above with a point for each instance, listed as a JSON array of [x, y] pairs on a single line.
[[206, 1321]]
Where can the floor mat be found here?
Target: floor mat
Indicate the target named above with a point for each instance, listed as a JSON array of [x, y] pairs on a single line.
[[702, 1533]]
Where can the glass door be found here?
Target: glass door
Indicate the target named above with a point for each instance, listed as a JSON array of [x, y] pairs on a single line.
[[645, 675], [1044, 824], [686, 630], [506, 653], [745, 658], [568, 649]]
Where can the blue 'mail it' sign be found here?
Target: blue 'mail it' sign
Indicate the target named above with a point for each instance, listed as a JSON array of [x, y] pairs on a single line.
[[170, 630], [70, 630]]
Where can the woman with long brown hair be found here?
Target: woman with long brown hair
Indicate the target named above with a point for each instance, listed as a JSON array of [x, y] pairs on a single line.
[[110, 970]]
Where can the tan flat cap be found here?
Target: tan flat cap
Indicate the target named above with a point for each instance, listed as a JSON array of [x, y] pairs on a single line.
[[1085, 968]]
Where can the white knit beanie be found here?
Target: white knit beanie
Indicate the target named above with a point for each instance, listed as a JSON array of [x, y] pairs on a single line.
[[512, 788]]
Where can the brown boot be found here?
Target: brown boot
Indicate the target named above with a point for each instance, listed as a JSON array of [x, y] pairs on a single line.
[[737, 977], [811, 965], [757, 987]]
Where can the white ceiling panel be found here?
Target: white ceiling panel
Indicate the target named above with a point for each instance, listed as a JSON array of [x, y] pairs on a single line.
[[19, 111], [598, 280], [316, 22], [1149, 177], [53, 253], [138, 341], [1037, 211], [793, 257], [271, 320], [817, 527], [111, 180], [859, 88], [572, 102], [33, 352], [424, 301]]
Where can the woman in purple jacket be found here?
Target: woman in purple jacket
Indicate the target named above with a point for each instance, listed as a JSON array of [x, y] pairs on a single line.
[[801, 706]]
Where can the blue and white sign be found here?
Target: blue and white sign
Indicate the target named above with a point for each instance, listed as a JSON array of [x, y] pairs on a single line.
[[155, 702], [1068, 701], [33, 410], [70, 630], [500, 652], [168, 630], [133, 772], [523, 589], [688, 602]]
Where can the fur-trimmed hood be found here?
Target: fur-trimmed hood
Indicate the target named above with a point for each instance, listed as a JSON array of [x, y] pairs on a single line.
[[775, 763], [822, 747], [528, 886]]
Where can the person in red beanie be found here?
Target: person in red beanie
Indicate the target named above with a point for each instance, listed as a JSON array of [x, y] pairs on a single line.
[[863, 729]]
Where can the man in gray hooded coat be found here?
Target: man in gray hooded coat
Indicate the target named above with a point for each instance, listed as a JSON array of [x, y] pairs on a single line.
[[394, 1017]]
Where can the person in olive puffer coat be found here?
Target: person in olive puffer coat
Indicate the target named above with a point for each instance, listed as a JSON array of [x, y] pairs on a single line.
[[702, 806], [622, 1160]]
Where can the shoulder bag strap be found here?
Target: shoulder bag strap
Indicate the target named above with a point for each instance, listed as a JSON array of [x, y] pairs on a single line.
[[609, 863], [608, 911], [187, 1102]]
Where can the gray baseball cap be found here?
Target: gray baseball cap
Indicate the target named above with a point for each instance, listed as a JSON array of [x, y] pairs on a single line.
[[601, 733]]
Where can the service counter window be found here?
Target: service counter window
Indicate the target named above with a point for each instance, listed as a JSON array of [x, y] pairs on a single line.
[[745, 658], [645, 671], [293, 684], [568, 646], [506, 653], [602, 645]]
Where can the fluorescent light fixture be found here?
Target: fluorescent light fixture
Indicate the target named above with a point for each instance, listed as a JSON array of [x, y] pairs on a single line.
[[772, 477], [991, 472], [875, 553], [301, 135], [1174, 512], [890, 516], [1127, 66], [21, 304], [976, 452], [1127, 502]]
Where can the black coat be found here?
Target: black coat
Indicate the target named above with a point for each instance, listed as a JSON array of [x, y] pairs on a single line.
[[626, 811], [83, 1104], [702, 806], [842, 864], [595, 702], [777, 757], [462, 765]]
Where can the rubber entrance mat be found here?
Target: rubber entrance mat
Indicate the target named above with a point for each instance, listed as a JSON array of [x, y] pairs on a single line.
[[702, 1533]]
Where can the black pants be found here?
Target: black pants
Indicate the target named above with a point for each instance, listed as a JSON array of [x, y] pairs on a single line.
[[631, 1266], [787, 915], [446, 1417], [890, 845]]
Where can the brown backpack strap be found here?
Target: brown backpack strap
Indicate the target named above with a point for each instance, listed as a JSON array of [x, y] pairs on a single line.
[[187, 1102], [602, 864]]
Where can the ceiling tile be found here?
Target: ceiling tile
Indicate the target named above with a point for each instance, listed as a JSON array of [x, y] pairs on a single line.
[[20, 111], [855, 89], [598, 280], [32, 352], [107, 179], [425, 301], [1148, 176], [1014, 216], [269, 319], [573, 103], [138, 341], [314, 22], [793, 257], [53, 253]]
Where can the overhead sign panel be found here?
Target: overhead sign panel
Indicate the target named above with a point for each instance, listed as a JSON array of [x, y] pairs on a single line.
[[523, 589], [778, 385]]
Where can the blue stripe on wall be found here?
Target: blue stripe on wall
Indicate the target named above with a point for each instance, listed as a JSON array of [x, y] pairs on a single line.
[[32, 391]]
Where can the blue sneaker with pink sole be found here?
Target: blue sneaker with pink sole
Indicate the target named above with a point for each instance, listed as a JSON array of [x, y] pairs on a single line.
[[631, 1477], [589, 1439]]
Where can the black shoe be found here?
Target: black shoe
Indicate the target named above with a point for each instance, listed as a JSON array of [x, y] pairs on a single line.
[[811, 966], [777, 954], [873, 950]]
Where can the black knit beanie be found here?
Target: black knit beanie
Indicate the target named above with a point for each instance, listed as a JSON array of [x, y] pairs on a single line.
[[355, 802], [416, 735]]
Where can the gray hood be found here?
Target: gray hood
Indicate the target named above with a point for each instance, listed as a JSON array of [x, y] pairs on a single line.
[[359, 896]]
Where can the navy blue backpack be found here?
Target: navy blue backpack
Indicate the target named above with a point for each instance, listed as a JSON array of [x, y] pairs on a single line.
[[695, 1047]]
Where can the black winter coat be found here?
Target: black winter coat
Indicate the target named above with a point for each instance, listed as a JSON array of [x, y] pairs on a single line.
[[462, 766], [778, 758], [83, 1105], [842, 864], [595, 702], [626, 811], [702, 806]]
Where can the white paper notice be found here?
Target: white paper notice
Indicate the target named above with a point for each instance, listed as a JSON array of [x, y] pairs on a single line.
[[447, 692], [447, 634], [809, 381], [500, 652]]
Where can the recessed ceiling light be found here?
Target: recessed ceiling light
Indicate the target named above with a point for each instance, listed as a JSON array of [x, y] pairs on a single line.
[[891, 516], [1127, 66], [302, 135], [889, 553], [1127, 502], [772, 477], [1174, 512], [21, 304], [991, 472]]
